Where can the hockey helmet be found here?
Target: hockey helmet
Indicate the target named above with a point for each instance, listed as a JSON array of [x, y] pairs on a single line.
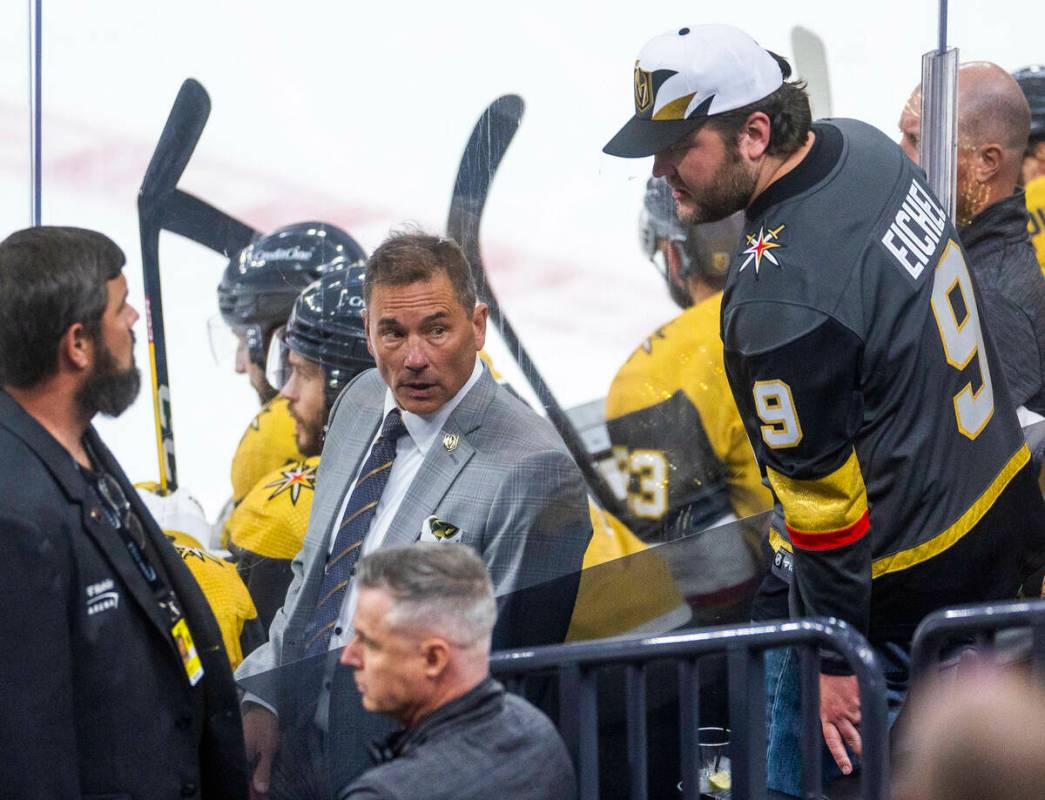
[[1032, 82], [261, 283], [325, 326], [705, 250]]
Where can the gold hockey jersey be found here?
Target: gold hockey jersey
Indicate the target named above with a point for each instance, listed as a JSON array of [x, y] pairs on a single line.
[[228, 597], [266, 530], [267, 443], [676, 433], [1035, 195]]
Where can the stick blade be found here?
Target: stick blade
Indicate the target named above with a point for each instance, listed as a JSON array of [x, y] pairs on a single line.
[[811, 64], [482, 155], [180, 134]]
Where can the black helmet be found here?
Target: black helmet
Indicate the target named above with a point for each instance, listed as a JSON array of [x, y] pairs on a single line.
[[706, 249], [325, 326], [261, 283], [1032, 81]]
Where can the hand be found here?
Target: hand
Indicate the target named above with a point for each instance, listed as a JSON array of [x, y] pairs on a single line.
[[261, 734], [840, 717]]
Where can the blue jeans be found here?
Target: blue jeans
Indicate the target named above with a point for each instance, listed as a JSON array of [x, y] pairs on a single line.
[[784, 721]]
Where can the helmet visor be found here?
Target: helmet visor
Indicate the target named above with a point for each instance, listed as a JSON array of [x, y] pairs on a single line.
[[277, 365], [222, 340]]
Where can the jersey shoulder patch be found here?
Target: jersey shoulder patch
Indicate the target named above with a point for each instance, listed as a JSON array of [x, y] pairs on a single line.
[[272, 519]]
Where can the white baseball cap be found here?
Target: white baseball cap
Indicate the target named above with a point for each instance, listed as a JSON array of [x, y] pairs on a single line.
[[684, 76]]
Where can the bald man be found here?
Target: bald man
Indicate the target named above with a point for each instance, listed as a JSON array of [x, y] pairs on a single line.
[[993, 125]]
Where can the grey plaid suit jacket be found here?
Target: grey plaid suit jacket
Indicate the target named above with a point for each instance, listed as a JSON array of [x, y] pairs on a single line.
[[510, 485]]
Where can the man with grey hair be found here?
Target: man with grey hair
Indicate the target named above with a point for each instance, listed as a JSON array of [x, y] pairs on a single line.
[[423, 621]]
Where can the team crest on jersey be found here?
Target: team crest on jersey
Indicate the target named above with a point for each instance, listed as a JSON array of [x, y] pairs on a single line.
[[197, 553], [643, 88], [760, 247], [294, 479]]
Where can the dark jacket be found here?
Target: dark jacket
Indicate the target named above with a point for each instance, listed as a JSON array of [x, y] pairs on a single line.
[[485, 744], [95, 700], [1012, 292]]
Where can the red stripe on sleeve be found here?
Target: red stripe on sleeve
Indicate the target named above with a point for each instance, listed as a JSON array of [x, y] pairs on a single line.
[[829, 540]]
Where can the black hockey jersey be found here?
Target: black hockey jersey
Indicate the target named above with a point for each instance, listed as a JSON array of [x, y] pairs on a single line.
[[872, 393]]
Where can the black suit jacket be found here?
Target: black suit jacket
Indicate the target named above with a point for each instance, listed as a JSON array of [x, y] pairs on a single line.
[[94, 698]]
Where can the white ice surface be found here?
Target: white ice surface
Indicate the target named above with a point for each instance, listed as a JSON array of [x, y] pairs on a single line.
[[357, 113]]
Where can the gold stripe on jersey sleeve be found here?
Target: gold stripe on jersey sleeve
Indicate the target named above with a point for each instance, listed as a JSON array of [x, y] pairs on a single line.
[[823, 505], [905, 559], [778, 542]]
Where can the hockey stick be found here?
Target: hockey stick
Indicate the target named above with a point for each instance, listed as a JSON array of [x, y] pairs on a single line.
[[811, 65], [162, 206], [486, 147]]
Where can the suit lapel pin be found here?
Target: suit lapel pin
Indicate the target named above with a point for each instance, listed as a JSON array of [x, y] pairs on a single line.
[[450, 441]]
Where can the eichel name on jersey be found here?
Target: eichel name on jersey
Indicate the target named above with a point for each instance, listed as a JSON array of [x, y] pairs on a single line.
[[267, 529], [267, 443], [676, 432], [872, 392]]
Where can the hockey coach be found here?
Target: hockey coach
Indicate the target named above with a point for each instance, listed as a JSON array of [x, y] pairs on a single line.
[[113, 679], [426, 447], [869, 384]]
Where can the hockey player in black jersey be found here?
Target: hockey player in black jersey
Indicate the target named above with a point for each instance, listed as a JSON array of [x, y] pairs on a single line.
[[869, 385]]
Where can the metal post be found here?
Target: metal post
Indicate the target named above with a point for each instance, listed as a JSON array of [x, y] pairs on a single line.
[[747, 717], [689, 723], [35, 109], [942, 47], [809, 673], [589, 736], [939, 123], [635, 687]]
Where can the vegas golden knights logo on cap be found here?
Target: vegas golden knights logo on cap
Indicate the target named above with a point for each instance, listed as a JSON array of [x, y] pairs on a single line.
[[643, 89]]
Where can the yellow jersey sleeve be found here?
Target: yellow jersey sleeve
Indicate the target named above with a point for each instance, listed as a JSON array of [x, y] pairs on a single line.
[[1035, 195], [225, 592]]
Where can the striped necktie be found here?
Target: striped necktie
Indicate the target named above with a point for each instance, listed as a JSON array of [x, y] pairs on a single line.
[[359, 514]]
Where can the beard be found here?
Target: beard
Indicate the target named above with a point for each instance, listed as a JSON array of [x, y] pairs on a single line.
[[729, 191], [679, 294], [310, 440], [109, 390], [309, 434]]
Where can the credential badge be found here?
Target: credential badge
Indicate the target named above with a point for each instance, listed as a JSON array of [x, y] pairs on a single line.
[[450, 441]]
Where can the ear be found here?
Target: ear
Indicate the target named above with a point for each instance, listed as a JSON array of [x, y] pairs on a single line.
[[366, 331], [753, 137], [436, 655], [76, 348], [479, 317], [991, 157]]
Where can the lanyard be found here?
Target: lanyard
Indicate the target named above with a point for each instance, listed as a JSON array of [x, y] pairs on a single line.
[[163, 594]]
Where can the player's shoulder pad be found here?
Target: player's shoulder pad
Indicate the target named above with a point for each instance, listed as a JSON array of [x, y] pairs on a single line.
[[752, 328]]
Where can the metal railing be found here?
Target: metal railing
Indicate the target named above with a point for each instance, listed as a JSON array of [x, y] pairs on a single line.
[[978, 626], [744, 647]]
